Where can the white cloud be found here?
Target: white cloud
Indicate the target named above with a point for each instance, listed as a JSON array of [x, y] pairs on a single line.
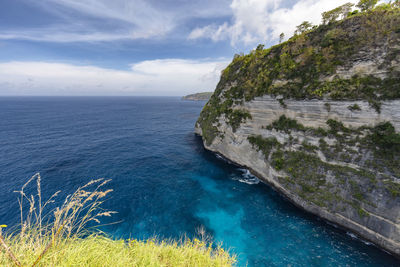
[[252, 21], [110, 20], [57, 36], [214, 32], [92, 21], [153, 77], [261, 21]]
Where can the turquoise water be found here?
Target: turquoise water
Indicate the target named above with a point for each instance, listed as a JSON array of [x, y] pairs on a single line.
[[164, 182]]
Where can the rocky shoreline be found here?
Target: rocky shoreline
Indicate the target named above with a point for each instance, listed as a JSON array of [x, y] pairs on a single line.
[[305, 208], [340, 222]]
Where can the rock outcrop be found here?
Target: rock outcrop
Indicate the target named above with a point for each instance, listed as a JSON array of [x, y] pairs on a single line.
[[320, 127]]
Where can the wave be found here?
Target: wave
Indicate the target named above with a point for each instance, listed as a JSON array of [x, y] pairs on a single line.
[[246, 177], [353, 236]]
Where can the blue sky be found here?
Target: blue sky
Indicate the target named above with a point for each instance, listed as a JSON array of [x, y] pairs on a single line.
[[135, 47]]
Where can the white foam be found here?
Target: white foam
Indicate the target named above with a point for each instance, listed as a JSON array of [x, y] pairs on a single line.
[[247, 177], [357, 238], [222, 158], [351, 235], [249, 181]]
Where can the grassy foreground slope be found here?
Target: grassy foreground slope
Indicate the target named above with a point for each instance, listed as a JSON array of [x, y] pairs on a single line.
[[61, 237], [98, 250]]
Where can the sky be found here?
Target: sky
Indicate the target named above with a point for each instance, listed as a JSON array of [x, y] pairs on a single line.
[[136, 47]]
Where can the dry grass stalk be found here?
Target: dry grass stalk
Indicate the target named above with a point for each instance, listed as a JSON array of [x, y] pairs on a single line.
[[67, 221], [8, 250]]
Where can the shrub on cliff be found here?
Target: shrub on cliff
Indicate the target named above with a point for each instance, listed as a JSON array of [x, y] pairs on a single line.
[[385, 136]]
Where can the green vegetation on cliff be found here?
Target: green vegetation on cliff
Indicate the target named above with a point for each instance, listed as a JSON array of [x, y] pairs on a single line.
[[287, 125], [374, 150], [315, 64], [306, 66], [60, 238], [213, 110]]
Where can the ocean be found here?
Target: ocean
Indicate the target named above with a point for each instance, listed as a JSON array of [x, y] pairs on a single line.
[[165, 183]]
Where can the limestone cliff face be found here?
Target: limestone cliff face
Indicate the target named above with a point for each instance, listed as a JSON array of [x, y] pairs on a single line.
[[332, 149]]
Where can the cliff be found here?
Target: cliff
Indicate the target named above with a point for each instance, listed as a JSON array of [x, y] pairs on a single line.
[[198, 96], [317, 117]]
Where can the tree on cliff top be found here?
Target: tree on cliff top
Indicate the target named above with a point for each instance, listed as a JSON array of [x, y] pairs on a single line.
[[281, 37], [303, 27], [334, 14], [366, 5]]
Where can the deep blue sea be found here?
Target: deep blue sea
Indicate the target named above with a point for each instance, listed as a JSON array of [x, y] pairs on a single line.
[[165, 184]]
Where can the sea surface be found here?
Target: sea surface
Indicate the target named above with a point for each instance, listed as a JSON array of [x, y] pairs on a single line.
[[165, 184]]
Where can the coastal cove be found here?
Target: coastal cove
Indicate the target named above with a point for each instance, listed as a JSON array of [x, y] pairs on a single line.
[[165, 183], [317, 118]]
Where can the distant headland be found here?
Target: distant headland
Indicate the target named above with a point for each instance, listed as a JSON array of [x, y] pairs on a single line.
[[198, 96]]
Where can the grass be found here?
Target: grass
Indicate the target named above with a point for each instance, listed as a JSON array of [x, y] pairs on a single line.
[[98, 250], [62, 237]]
